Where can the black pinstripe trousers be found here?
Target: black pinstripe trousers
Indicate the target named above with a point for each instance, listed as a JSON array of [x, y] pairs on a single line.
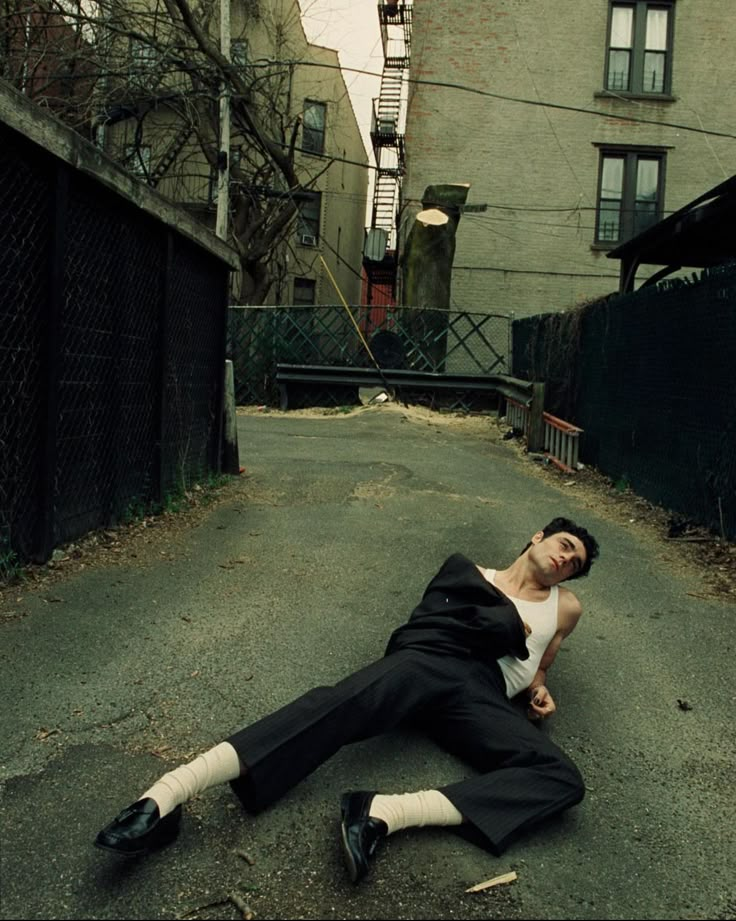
[[522, 776]]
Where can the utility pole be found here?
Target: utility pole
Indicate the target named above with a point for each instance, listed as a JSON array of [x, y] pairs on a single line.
[[223, 157]]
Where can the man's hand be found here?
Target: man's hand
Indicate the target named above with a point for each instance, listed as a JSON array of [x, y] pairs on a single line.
[[541, 703]]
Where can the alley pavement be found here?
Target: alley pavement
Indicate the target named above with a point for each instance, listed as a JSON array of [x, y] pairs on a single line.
[[117, 672]]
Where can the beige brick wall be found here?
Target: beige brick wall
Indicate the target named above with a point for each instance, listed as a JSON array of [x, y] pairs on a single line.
[[277, 34], [344, 185], [521, 159]]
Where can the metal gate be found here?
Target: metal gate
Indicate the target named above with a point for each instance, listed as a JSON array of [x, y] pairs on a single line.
[[420, 339]]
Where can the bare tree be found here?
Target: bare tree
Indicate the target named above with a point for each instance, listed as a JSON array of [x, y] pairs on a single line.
[[144, 78]]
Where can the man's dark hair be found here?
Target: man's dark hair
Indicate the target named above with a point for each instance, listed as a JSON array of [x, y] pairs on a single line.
[[588, 541]]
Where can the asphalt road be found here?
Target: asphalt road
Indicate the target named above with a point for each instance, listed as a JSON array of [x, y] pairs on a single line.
[[118, 672]]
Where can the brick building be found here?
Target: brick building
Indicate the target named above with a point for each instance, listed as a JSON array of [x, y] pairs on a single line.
[[137, 82], [636, 122], [333, 224], [46, 56], [126, 83], [162, 124]]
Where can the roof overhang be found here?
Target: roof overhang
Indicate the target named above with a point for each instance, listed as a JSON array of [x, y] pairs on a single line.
[[701, 234]]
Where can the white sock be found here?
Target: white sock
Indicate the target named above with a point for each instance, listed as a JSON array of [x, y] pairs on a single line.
[[410, 810], [217, 765]]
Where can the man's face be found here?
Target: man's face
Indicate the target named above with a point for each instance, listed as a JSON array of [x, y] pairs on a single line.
[[557, 557]]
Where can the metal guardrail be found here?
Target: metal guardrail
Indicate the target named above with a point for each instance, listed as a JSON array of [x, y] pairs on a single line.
[[524, 394], [407, 338]]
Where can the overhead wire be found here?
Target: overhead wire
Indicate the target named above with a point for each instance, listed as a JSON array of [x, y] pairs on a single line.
[[531, 102], [508, 271], [267, 62], [546, 105], [360, 332]]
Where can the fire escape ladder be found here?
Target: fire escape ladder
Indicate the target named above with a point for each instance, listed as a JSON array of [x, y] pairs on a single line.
[[388, 111], [388, 107], [385, 203], [395, 20], [172, 152]]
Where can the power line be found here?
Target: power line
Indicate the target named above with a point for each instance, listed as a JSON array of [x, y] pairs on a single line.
[[529, 102], [583, 191], [456, 86], [556, 208], [494, 268], [341, 258]]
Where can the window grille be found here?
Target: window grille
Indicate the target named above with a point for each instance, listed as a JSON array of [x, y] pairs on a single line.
[[640, 36]]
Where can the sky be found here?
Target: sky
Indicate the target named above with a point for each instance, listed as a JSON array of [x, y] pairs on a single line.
[[351, 28]]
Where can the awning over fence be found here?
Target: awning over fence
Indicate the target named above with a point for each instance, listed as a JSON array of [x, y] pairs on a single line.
[[701, 234]]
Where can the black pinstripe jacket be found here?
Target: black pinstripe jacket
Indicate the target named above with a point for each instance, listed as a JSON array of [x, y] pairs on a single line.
[[462, 614]]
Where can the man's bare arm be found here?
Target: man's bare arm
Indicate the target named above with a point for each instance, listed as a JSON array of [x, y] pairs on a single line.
[[541, 702]]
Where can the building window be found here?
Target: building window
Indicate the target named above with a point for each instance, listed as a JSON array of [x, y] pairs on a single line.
[[214, 176], [239, 53], [309, 218], [236, 154], [640, 48], [304, 291], [143, 62], [137, 159], [313, 126], [630, 193]]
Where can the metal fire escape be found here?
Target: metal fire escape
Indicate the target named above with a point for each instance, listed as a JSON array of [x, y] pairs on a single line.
[[387, 137]]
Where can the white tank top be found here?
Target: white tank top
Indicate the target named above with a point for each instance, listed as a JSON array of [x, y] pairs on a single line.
[[542, 618]]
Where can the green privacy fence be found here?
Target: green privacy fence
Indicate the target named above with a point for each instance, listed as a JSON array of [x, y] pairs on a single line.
[[112, 336], [649, 377], [411, 338]]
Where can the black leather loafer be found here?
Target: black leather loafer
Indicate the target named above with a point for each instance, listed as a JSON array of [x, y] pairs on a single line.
[[139, 829], [361, 834]]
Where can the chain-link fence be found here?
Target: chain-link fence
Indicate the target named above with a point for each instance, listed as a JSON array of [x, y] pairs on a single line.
[[111, 355], [649, 376], [399, 337]]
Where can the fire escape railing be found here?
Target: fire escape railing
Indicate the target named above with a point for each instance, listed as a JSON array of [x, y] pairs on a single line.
[[387, 125]]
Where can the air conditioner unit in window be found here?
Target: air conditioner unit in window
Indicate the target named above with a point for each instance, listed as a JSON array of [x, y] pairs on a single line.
[[308, 239]]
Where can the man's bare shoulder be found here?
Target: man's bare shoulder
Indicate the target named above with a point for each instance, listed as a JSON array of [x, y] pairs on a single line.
[[569, 607]]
